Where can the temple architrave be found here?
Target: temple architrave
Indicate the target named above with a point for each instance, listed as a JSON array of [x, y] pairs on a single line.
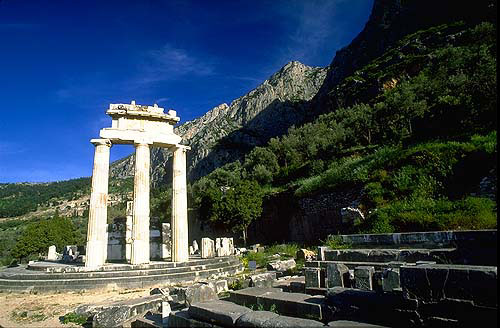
[[143, 127]]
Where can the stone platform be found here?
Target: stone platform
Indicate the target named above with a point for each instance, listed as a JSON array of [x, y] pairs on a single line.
[[52, 277]]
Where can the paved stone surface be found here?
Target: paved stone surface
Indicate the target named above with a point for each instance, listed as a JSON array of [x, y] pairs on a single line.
[[221, 313]]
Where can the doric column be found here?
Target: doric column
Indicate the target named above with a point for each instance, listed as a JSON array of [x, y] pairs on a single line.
[[98, 210], [140, 219], [180, 243]]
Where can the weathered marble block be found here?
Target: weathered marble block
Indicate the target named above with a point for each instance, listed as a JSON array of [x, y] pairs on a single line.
[[52, 254], [363, 276], [166, 238], [313, 277], [223, 246], [390, 280], [337, 275], [207, 248]]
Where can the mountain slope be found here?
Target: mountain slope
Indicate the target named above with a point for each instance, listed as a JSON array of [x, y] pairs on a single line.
[[225, 133]]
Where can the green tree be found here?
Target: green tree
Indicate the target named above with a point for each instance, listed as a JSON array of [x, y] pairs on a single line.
[[234, 207], [38, 236]]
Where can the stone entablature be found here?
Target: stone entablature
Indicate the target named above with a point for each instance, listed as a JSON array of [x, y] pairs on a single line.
[[134, 124]]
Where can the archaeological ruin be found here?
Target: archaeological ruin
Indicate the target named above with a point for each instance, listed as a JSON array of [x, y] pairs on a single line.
[[143, 127]]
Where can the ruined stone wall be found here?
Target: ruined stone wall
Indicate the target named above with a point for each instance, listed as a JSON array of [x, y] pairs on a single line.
[[305, 220]]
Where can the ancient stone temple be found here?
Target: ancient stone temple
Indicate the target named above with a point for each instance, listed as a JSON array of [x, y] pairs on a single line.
[[144, 127]]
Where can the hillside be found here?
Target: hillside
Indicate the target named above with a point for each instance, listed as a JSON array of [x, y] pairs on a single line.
[[226, 133], [409, 145]]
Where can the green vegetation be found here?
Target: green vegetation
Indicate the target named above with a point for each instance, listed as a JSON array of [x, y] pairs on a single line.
[[38, 236], [335, 242], [72, 317], [20, 198], [417, 148]]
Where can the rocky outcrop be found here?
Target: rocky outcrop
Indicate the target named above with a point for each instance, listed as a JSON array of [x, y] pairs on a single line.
[[227, 132]]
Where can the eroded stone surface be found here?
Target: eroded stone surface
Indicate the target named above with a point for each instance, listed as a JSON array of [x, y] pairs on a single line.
[[221, 313]]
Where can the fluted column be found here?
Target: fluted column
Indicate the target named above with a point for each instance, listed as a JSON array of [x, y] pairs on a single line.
[[180, 243], [96, 233], [140, 219]]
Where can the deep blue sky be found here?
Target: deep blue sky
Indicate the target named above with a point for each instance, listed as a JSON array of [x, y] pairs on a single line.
[[63, 62]]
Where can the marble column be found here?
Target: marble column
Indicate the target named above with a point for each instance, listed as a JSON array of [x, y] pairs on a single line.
[[180, 243], [140, 219], [96, 233]]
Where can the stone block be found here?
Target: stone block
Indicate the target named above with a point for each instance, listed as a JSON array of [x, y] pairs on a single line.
[[195, 247], [285, 322], [363, 276], [293, 304], [433, 283], [263, 279], [220, 313], [352, 324], [313, 277], [297, 287], [219, 286], [390, 280], [207, 248], [52, 253], [337, 275], [255, 319], [182, 319], [248, 296], [367, 305], [281, 265], [198, 292], [116, 313]]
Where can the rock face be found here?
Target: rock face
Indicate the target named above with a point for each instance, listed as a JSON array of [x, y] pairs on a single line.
[[227, 132]]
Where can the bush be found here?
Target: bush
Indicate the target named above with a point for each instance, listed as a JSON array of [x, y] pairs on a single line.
[[426, 214]]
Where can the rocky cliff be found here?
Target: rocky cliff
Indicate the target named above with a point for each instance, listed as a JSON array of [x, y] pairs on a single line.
[[227, 132]]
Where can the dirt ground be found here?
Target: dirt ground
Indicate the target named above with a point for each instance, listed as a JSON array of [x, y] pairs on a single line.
[[45, 310]]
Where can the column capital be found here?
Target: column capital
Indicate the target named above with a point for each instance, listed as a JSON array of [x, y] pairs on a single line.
[[101, 142]]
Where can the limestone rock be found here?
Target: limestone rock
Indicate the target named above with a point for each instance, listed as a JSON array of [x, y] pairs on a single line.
[[198, 292], [281, 265], [263, 279], [277, 100]]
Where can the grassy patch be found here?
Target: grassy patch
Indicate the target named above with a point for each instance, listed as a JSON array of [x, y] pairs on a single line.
[[335, 242], [72, 317]]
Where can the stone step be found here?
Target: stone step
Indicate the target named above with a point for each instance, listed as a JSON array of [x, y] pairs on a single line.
[[390, 309], [353, 265], [441, 255], [51, 285], [122, 273], [56, 267], [290, 304]]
